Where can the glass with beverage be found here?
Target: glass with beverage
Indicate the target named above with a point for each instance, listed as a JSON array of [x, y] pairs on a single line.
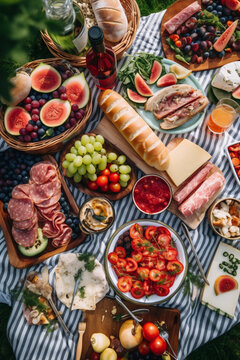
[[223, 115]]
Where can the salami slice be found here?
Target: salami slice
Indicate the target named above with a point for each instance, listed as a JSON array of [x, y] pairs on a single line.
[[21, 191], [26, 224], [20, 209], [50, 231], [64, 238], [51, 201], [42, 172], [25, 237], [40, 193], [48, 213]]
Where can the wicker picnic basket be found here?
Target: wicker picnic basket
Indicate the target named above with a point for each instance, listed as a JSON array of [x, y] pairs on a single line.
[[56, 143], [133, 16]]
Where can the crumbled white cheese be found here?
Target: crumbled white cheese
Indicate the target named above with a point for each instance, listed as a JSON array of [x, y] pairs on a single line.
[[227, 77]]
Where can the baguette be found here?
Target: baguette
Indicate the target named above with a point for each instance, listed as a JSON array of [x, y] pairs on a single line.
[[138, 134], [111, 18]]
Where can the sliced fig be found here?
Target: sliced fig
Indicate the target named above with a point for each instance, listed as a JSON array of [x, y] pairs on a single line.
[[135, 97], [141, 86], [155, 72], [167, 80], [225, 283], [223, 40], [236, 93]]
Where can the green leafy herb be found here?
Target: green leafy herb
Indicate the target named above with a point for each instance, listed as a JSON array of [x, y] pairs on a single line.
[[193, 279], [51, 326], [89, 260], [179, 54], [31, 299], [78, 275], [207, 18], [82, 292], [181, 58], [16, 292]]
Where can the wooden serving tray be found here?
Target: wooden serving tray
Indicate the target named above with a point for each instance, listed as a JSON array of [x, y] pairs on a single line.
[[108, 130], [83, 188], [101, 320], [175, 8], [15, 257]]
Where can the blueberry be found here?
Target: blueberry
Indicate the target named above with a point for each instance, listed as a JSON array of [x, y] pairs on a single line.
[[41, 132], [226, 11], [38, 158], [5, 206], [221, 54], [2, 196], [5, 188], [19, 177], [58, 132], [214, 12], [66, 208], [219, 8], [219, 14], [206, 55], [62, 199], [45, 96], [209, 8], [44, 127], [39, 123], [15, 182], [200, 31], [6, 176], [38, 97], [25, 179], [76, 221], [31, 122], [68, 221], [74, 236], [212, 54], [24, 173], [223, 19], [32, 97], [214, 5]]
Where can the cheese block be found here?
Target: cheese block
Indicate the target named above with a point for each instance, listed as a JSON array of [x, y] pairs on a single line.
[[184, 160], [227, 77], [225, 303]]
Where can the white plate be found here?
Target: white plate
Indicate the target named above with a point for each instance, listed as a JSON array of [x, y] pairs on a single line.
[[187, 126], [182, 256]]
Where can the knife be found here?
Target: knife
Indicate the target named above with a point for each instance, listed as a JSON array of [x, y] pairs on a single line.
[[75, 291]]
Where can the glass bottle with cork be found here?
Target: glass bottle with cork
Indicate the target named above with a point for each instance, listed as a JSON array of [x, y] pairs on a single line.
[[66, 25], [101, 60]]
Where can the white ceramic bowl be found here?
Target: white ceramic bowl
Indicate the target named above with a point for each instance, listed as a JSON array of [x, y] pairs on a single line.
[[182, 256]]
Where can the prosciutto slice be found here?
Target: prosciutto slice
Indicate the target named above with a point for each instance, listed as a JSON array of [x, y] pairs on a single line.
[[203, 194], [64, 237], [42, 172]]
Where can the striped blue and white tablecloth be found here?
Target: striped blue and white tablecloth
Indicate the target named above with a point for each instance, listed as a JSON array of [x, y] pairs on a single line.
[[198, 323]]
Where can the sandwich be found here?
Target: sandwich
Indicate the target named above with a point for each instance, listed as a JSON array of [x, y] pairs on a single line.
[[176, 104]]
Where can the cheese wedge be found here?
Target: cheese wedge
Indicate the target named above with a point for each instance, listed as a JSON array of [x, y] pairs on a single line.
[[184, 160], [224, 303]]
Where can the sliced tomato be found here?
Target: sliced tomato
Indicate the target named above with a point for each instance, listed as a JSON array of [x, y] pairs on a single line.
[[132, 265], [113, 258], [124, 283], [119, 271], [166, 279], [155, 275], [138, 284], [150, 232], [160, 265], [234, 147], [137, 256], [121, 264], [136, 231], [121, 252], [161, 290], [137, 244], [143, 273], [148, 287], [150, 254], [174, 267], [164, 240], [163, 230], [137, 292], [170, 254], [147, 263]]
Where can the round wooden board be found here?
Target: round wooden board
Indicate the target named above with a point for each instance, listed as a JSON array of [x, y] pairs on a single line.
[[83, 188], [170, 54]]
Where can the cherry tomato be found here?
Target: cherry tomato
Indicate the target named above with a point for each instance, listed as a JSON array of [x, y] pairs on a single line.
[[158, 346], [114, 177], [93, 185], [115, 187], [105, 172], [138, 284], [137, 256], [124, 283], [150, 254], [174, 267], [166, 279], [160, 265], [148, 287], [104, 188], [170, 254], [150, 331], [143, 273], [137, 292], [164, 240], [137, 244], [120, 251], [102, 180], [132, 265], [136, 231], [150, 232], [155, 275], [161, 290], [121, 263], [174, 37], [163, 230], [113, 258], [95, 356], [144, 348]]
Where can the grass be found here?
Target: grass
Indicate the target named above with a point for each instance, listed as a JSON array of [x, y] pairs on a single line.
[[226, 347]]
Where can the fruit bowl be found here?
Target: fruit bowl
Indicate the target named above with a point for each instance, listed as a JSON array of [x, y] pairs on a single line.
[[182, 257], [52, 143]]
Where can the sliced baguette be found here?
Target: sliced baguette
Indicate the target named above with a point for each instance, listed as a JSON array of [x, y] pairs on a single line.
[[139, 135]]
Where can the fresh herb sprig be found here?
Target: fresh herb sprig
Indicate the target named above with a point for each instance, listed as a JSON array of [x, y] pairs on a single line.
[[89, 261], [193, 279], [207, 18], [78, 275], [31, 299], [82, 292], [179, 54]]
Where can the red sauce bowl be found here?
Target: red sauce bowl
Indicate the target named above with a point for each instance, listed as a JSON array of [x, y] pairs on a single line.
[[152, 194]]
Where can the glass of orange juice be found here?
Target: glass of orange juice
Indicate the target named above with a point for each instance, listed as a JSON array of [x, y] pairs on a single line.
[[223, 115]]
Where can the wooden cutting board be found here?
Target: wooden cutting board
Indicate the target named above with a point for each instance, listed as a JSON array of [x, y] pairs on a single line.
[[108, 130], [175, 8], [101, 320]]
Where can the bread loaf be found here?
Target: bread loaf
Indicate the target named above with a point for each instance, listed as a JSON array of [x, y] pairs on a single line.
[[139, 135], [111, 18]]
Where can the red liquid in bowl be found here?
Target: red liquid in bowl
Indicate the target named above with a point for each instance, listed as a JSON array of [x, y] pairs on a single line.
[[151, 194]]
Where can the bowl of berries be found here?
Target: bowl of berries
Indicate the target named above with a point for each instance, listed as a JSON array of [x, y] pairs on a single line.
[[146, 261], [47, 113]]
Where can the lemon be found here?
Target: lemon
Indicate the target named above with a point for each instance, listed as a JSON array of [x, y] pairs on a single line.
[[180, 71]]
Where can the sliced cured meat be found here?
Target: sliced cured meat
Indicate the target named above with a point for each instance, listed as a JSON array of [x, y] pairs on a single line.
[[51, 201], [26, 224], [20, 209], [203, 194], [40, 193], [177, 20], [192, 184], [50, 231], [64, 237], [25, 237], [21, 191], [47, 213], [42, 172]]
